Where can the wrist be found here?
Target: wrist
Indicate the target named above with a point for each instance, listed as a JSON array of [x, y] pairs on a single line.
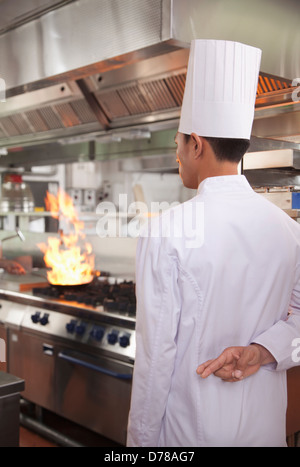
[[265, 356]]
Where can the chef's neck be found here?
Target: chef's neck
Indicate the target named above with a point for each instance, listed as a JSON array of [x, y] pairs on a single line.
[[198, 160], [215, 168], [225, 168]]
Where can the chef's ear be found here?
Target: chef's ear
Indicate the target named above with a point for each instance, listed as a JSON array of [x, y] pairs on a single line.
[[198, 145]]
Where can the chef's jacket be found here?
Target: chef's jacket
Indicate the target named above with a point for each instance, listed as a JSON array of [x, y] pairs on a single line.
[[222, 269]]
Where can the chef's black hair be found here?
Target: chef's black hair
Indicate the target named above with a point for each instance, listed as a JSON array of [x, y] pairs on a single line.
[[227, 149]]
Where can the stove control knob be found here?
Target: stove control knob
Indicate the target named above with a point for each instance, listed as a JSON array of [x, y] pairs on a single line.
[[45, 319], [124, 340], [97, 333], [112, 337], [36, 317], [70, 327], [80, 329]]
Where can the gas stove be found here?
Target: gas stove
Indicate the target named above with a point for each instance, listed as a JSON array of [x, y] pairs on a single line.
[[75, 349], [99, 316], [111, 294]]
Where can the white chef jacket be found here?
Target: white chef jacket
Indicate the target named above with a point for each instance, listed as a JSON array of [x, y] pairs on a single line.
[[232, 278]]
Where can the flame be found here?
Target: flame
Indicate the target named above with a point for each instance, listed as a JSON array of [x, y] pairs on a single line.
[[69, 257]]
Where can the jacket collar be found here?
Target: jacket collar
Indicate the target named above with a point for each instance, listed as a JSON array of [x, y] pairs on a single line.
[[224, 183]]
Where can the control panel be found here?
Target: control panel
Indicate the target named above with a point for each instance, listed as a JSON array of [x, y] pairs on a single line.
[[98, 333]]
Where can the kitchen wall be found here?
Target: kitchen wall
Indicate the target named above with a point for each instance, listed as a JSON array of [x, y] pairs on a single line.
[[109, 180], [106, 181]]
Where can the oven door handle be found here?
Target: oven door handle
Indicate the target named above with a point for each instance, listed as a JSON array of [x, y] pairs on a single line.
[[91, 366]]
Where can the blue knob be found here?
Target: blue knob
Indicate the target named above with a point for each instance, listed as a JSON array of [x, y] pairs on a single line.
[[70, 327], [124, 340], [112, 337], [97, 333], [45, 319], [80, 329], [36, 317]]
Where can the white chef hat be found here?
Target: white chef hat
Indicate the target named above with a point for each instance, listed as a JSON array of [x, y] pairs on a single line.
[[220, 90]]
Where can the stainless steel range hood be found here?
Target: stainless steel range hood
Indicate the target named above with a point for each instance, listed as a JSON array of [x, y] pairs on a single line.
[[90, 69]]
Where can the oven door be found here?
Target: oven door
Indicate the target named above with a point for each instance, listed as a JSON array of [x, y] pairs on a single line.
[[94, 392], [31, 357]]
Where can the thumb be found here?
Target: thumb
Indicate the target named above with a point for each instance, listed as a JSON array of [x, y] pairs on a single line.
[[238, 374], [248, 363]]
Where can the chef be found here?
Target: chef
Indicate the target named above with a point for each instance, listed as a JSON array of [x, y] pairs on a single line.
[[221, 271]]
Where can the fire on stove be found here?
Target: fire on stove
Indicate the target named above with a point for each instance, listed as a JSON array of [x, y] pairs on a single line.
[[69, 257]]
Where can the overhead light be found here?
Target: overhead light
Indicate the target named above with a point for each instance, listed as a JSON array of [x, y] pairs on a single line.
[[135, 134], [127, 135], [108, 138]]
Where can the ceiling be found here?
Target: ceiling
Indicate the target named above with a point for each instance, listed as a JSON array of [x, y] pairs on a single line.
[[78, 71], [15, 13]]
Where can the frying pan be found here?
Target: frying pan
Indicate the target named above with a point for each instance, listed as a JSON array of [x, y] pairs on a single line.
[[63, 287], [81, 285]]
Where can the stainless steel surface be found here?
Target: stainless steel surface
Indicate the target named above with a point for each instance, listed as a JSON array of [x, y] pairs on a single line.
[[86, 326], [272, 177], [131, 26], [264, 176], [280, 158], [269, 25], [136, 25], [100, 401], [9, 422], [130, 64], [16, 12], [141, 94], [10, 388], [18, 234], [76, 359], [82, 332], [282, 124], [46, 432], [27, 360], [16, 195]]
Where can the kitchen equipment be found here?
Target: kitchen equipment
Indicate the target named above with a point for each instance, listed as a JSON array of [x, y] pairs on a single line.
[[63, 286], [10, 387], [16, 195], [84, 283], [136, 83], [75, 348], [17, 234]]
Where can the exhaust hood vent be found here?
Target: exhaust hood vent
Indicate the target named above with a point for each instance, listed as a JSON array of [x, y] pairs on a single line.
[[71, 109], [86, 69], [143, 98], [268, 83], [131, 104]]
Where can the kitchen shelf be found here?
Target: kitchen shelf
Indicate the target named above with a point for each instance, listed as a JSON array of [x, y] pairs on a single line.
[[294, 213], [81, 215], [27, 214]]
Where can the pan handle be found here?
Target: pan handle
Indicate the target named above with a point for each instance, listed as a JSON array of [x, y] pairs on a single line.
[[91, 366]]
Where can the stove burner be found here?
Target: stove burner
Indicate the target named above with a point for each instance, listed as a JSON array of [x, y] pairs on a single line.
[[118, 297]]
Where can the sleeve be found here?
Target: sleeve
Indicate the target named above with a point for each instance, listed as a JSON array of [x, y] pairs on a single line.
[[158, 310], [283, 338]]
